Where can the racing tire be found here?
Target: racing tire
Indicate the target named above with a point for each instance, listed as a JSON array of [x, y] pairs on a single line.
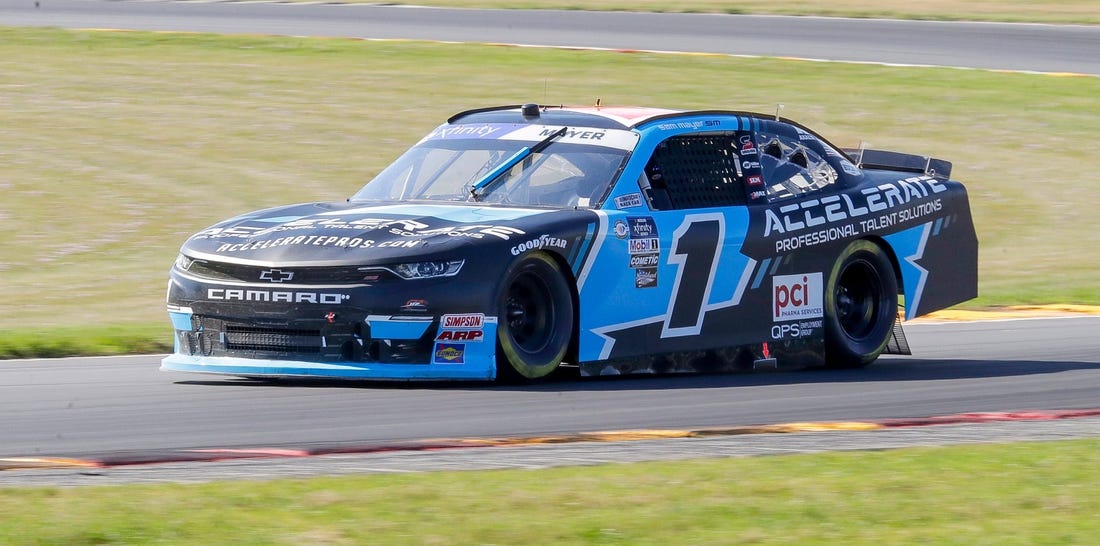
[[861, 306], [535, 318]]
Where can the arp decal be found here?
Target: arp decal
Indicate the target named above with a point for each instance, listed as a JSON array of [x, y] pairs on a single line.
[[797, 297], [460, 335]]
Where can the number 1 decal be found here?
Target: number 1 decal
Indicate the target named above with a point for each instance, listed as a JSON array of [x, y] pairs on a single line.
[[696, 246]]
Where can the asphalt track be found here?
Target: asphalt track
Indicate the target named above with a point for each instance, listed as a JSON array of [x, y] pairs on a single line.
[[1026, 47], [123, 409]]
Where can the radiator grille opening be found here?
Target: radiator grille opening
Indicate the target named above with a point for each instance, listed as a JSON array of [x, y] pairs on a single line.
[[252, 338]]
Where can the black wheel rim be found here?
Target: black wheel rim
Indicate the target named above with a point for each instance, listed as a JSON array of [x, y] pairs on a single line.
[[858, 297], [529, 313]]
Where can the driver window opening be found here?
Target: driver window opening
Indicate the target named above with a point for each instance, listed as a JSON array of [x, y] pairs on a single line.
[[694, 171]]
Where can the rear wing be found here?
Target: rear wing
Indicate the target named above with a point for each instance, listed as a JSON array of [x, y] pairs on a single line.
[[897, 161]]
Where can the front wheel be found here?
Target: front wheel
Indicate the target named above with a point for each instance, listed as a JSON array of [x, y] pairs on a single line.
[[861, 305], [535, 318]]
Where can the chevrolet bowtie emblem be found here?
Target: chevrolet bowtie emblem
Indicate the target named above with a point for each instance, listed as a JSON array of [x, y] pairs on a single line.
[[276, 275]]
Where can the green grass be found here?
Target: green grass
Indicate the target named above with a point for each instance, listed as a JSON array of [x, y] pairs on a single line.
[[1049, 11], [115, 339], [114, 147], [1026, 493]]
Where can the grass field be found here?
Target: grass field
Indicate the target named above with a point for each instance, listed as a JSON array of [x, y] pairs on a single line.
[[115, 146], [1024, 494], [1051, 11]]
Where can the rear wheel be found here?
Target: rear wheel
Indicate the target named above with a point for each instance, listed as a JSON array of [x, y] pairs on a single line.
[[535, 318], [861, 305]]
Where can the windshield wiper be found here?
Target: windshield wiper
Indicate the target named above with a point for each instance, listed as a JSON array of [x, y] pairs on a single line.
[[520, 155]]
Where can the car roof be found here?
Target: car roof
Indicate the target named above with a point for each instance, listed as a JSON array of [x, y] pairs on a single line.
[[612, 117], [600, 117]]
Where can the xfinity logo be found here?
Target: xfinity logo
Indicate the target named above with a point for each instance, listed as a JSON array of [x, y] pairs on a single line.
[[276, 275]]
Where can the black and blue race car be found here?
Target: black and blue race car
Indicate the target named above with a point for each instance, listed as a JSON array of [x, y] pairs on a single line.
[[513, 240]]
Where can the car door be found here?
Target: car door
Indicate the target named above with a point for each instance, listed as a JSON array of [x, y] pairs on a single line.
[[680, 242]]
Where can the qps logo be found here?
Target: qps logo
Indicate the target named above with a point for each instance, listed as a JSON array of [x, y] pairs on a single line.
[[796, 297]]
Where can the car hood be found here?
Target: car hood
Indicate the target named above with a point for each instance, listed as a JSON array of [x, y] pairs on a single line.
[[359, 233]]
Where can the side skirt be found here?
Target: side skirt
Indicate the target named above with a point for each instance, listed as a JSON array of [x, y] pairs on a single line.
[[765, 356]]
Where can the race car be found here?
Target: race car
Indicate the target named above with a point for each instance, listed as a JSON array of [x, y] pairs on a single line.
[[513, 241]]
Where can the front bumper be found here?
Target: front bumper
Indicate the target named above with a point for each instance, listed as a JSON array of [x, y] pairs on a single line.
[[380, 347]]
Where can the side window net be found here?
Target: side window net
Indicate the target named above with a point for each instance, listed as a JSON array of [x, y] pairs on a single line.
[[695, 171]]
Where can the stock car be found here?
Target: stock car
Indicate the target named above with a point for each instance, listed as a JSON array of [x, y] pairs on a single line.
[[614, 240]]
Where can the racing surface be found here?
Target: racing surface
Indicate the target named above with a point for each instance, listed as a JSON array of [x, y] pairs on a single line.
[[1042, 48], [91, 406]]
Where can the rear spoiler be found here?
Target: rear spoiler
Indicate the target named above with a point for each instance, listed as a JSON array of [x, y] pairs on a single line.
[[897, 161]]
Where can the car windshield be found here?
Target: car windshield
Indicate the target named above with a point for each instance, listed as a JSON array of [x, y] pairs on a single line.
[[567, 172]]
